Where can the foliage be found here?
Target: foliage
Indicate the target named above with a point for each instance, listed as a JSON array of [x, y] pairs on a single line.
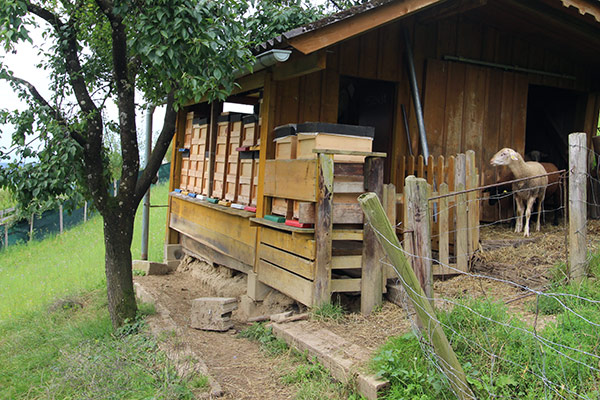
[[6, 199], [502, 356], [264, 336], [328, 312]]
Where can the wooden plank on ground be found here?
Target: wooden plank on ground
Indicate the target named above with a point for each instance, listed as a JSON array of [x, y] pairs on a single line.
[[288, 261], [287, 283]]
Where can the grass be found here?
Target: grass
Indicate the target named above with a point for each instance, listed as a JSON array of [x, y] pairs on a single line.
[[56, 338], [328, 312], [6, 199], [478, 329], [35, 273], [311, 380]]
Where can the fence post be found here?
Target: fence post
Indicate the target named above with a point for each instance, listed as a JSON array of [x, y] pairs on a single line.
[[430, 327], [416, 226], [371, 282], [323, 230], [31, 227], [389, 204], [578, 159], [60, 218], [85, 211]]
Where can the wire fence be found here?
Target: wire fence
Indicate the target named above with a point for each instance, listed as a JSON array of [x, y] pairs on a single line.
[[520, 322], [50, 222]]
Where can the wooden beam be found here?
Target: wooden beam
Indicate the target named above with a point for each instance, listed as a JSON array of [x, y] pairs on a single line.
[[450, 9], [301, 65], [267, 112], [336, 32], [323, 231], [171, 235]]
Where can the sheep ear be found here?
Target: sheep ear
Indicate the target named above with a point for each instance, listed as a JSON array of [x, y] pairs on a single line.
[[513, 157]]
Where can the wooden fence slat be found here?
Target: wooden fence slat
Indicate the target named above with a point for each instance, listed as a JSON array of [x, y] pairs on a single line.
[[444, 243], [420, 167], [461, 244]]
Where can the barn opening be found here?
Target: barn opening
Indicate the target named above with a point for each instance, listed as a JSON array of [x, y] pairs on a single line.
[[552, 114], [369, 102]]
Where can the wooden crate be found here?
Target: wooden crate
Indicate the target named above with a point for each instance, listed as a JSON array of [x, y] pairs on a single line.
[[246, 177], [316, 135], [221, 153], [285, 142], [233, 165], [250, 130]]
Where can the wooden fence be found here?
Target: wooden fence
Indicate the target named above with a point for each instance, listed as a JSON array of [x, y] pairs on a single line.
[[454, 207]]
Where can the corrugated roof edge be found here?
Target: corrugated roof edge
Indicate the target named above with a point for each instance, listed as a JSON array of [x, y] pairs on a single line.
[[281, 40]]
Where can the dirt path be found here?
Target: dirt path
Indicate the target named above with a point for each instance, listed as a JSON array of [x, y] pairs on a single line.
[[238, 365]]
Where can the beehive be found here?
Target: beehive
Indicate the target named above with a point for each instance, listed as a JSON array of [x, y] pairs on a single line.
[[318, 135], [221, 153], [285, 142], [250, 130], [232, 166]]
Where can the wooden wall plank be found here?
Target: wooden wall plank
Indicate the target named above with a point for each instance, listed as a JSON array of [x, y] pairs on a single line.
[[521, 90], [291, 179], [390, 44], [434, 104], [474, 111], [292, 285], [369, 48], [288, 261], [311, 98], [454, 107], [303, 245], [349, 57]]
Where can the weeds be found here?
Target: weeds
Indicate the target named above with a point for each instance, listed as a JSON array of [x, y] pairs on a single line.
[[258, 332], [328, 312]]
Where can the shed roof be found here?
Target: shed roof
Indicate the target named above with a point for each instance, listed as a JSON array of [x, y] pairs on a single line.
[[375, 13]]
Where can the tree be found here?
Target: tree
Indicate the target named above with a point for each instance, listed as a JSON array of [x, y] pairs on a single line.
[[103, 51]]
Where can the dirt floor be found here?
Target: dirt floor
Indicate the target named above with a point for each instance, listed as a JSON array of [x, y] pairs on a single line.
[[244, 372]]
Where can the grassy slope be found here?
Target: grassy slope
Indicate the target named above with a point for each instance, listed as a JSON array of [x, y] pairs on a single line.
[[36, 273], [49, 349]]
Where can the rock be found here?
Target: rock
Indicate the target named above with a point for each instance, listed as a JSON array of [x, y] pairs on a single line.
[[150, 267], [212, 313]]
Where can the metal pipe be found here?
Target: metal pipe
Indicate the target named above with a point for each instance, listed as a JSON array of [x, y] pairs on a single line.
[[405, 118], [509, 67], [415, 94], [146, 201]]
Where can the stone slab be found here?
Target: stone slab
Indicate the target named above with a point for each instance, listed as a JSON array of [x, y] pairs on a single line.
[[342, 358], [151, 267]]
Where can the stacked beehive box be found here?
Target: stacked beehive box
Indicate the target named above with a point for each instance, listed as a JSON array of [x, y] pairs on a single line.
[[247, 159], [233, 157], [285, 149], [185, 177], [221, 153], [316, 135], [198, 161]]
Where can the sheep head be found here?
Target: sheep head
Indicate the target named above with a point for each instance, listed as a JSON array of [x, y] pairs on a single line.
[[505, 157]]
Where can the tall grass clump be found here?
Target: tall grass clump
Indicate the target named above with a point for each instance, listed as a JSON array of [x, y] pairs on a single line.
[[503, 356]]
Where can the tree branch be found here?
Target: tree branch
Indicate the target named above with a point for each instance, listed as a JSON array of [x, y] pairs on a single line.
[[159, 151], [44, 103]]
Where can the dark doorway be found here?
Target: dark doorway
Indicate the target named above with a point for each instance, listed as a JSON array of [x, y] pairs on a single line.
[[552, 114], [368, 102]]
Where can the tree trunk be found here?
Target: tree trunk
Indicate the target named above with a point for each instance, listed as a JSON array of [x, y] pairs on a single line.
[[118, 232]]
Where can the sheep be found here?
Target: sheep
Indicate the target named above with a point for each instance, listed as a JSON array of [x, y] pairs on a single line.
[[528, 190], [552, 198]]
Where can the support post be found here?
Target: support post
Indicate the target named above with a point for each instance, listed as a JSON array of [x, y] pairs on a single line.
[[146, 200], [60, 218], [371, 282], [323, 230], [389, 204], [5, 236], [430, 326], [85, 211], [416, 225], [578, 159], [31, 227]]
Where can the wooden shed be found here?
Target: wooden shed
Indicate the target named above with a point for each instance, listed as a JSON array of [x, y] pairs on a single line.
[[488, 74]]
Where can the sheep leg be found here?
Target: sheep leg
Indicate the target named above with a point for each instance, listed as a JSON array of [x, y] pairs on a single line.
[[520, 208], [530, 202], [539, 209]]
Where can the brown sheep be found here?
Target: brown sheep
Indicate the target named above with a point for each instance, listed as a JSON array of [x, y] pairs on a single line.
[[553, 199], [524, 191]]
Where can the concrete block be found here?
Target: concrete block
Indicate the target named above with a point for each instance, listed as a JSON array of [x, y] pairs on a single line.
[[212, 313], [257, 290], [173, 252], [150, 267], [173, 265], [142, 294]]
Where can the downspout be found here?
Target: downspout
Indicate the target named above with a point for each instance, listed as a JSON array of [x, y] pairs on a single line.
[[146, 201], [414, 87]]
